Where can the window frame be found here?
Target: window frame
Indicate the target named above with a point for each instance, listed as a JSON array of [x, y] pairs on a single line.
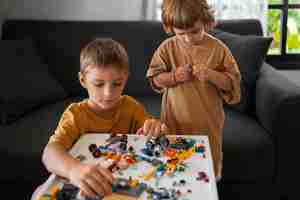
[[289, 60]]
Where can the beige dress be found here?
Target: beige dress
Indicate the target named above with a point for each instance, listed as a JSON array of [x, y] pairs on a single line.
[[196, 107]]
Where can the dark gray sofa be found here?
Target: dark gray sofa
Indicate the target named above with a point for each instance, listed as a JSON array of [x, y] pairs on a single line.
[[256, 143]]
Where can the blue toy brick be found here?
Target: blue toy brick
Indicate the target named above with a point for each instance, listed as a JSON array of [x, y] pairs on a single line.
[[147, 152]]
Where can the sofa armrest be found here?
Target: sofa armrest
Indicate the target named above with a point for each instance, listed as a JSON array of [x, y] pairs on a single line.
[[277, 101], [278, 110]]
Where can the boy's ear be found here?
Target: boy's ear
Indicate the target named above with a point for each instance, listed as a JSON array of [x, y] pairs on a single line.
[[81, 79]]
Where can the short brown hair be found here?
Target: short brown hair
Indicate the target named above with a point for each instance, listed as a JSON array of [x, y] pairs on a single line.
[[102, 52], [182, 14]]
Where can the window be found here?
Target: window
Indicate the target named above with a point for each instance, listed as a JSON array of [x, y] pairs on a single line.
[[280, 19], [284, 26]]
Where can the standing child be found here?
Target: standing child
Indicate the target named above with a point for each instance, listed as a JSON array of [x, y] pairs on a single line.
[[195, 72], [103, 73]]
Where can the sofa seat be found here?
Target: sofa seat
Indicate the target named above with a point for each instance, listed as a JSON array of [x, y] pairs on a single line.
[[247, 145]]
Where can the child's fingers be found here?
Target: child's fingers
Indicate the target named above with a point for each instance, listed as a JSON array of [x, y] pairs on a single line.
[[164, 128], [106, 186], [103, 180], [100, 186], [107, 175], [156, 130], [140, 131], [86, 190], [100, 182], [201, 74], [147, 127], [188, 66], [187, 69], [82, 193]]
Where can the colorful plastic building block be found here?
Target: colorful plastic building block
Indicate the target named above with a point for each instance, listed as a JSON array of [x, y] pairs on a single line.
[[202, 176], [71, 192], [128, 187], [155, 146]]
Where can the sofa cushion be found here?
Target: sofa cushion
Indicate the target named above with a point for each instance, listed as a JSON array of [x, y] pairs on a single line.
[[25, 140], [152, 104], [249, 151], [60, 44], [249, 52], [30, 84]]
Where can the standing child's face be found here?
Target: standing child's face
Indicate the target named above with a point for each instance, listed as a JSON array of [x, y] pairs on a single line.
[[191, 36], [104, 86]]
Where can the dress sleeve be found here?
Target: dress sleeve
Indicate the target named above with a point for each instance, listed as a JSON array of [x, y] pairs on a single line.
[[157, 65], [67, 131], [231, 70]]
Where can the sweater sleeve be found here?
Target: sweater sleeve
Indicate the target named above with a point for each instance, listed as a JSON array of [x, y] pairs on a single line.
[[231, 70], [67, 131], [157, 65]]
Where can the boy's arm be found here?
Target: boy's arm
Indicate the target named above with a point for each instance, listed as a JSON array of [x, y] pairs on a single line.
[[147, 124], [92, 179], [57, 160], [55, 156]]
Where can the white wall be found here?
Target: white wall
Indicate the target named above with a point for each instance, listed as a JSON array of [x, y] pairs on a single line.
[[72, 9]]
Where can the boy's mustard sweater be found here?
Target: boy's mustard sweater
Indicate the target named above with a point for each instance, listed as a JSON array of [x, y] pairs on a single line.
[[78, 119]]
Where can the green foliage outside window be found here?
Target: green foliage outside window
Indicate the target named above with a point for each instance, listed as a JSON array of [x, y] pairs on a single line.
[[293, 39], [273, 27], [293, 28]]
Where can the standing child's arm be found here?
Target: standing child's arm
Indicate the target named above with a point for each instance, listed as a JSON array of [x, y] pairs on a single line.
[[162, 74], [227, 79], [221, 80], [173, 78], [232, 72]]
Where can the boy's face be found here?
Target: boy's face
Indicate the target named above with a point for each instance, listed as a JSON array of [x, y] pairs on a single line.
[[104, 85], [191, 36]]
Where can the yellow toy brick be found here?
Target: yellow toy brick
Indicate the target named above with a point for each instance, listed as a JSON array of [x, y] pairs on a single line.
[[53, 192], [45, 197]]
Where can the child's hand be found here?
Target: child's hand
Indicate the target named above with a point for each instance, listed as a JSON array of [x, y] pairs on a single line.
[[201, 73], [152, 128], [92, 179], [183, 73]]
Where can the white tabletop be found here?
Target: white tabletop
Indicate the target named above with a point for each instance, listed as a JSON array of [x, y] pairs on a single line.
[[196, 163]]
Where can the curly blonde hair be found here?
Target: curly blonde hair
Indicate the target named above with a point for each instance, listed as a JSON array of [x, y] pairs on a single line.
[[182, 14], [102, 52]]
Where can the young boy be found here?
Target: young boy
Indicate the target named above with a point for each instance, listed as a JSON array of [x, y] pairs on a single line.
[[195, 72], [103, 73]]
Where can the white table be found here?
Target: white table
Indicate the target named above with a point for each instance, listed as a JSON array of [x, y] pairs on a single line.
[[195, 163]]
